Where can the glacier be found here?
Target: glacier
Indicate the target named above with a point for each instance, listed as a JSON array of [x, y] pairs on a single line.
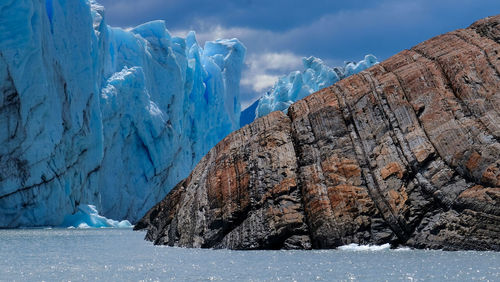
[[299, 84], [247, 115], [97, 115]]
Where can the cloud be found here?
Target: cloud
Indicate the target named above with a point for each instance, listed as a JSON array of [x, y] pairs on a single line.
[[327, 29], [208, 32], [264, 69], [336, 35], [274, 61], [277, 15], [278, 33], [259, 82]]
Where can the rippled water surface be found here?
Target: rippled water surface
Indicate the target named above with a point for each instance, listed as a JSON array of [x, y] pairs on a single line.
[[118, 255]]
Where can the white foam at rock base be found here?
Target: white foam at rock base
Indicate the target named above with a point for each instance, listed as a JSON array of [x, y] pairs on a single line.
[[361, 248]]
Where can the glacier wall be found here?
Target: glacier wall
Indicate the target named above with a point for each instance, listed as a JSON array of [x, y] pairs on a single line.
[[91, 114], [297, 85]]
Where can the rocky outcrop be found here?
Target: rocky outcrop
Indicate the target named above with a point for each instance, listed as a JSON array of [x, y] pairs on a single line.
[[406, 153]]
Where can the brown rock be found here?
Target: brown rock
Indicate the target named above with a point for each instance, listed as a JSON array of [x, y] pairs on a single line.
[[242, 195], [392, 169], [406, 152]]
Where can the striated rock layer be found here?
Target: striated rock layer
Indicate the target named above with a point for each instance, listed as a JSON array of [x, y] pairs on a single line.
[[405, 153]]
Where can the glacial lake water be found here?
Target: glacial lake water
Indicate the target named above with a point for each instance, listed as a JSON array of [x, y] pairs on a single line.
[[123, 255]]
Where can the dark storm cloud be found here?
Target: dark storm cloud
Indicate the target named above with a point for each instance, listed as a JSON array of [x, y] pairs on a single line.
[[278, 33], [261, 14]]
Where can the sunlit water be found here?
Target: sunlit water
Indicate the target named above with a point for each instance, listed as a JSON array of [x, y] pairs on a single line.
[[118, 255]]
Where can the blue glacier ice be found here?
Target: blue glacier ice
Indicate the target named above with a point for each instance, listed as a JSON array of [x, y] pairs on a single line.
[[87, 216], [92, 114], [297, 85]]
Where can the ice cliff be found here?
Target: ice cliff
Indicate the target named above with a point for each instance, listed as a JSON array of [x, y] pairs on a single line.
[[297, 85], [91, 114]]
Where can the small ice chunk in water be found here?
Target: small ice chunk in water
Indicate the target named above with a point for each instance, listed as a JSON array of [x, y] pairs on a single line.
[[87, 216]]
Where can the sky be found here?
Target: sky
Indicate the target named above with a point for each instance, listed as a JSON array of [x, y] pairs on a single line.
[[279, 33]]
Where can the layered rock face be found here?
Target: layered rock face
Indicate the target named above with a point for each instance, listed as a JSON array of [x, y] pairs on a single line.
[[406, 152]]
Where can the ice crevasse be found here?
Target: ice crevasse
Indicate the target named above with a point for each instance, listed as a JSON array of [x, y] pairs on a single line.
[[92, 114]]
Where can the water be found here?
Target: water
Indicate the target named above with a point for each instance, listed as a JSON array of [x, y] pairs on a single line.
[[118, 255]]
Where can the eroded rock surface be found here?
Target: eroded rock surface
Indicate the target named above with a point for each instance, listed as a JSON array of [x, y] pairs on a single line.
[[406, 152]]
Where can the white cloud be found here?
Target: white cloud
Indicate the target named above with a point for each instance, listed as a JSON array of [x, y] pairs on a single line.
[[260, 82], [206, 32], [334, 35], [269, 52], [274, 61], [264, 69]]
